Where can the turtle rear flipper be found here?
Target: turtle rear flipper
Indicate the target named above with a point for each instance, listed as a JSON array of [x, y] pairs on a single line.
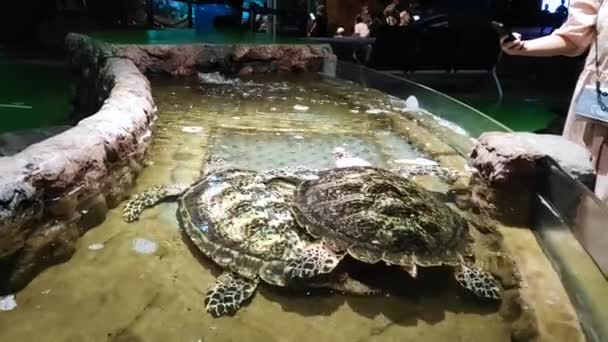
[[316, 259], [481, 283], [149, 198], [227, 294]]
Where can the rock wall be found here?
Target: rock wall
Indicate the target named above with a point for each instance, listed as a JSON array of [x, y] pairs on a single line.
[[511, 167], [53, 191], [183, 60]]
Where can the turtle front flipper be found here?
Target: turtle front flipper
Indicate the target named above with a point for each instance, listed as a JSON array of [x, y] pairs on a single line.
[[150, 197], [314, 260], [227, 294], [478, 281]]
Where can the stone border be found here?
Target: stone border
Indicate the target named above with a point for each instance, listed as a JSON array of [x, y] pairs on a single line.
[[54, 191]]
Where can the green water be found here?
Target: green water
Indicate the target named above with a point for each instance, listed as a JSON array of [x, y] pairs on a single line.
[[189, 36], [32, 95]]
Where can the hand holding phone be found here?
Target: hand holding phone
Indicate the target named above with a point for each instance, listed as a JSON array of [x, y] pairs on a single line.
[[505, 34]]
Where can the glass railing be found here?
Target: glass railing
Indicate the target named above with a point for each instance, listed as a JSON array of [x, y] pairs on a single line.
[[570, 222]]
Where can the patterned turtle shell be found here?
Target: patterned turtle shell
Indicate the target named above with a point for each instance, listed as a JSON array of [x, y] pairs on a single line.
[[376, 215]]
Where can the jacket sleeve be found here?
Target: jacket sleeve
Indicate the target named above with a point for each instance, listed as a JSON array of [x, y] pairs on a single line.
[[579, 28]]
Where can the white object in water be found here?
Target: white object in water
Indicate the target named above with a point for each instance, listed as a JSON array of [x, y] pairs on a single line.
[[375, 111], [192, 129], [8, 303], [412, 103], [144, 246], [299, 137], [417, 161], [215, 78], [96, 246], [15, 105], [452, 126], [354, 111], [346, 159], [301, 108]]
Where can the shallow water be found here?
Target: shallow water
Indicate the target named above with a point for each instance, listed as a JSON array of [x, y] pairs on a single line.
[[145, 282]]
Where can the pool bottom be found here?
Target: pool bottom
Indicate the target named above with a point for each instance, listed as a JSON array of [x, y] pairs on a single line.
[[143, 281]]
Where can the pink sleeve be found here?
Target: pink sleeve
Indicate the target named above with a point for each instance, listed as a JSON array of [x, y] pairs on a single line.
[[580, 27]]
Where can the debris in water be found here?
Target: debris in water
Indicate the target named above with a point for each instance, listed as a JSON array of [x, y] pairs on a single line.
[[96, 246], [412, 103], [45, 292], [236, 118], [8, 303], [301, 108], [299, 137], [144, 246], [354, 111], [375, 111], [192, 129], [417, 161]]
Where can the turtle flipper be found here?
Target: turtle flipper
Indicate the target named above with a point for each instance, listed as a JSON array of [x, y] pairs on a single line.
[[478, 281], [413, 170], [150, 197], [227, 294], [314, 260]]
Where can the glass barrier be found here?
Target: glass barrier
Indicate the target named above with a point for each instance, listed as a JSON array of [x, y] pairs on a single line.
[[569, 221]]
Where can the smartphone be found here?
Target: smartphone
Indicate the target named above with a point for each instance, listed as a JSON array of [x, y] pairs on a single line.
[[503, 31]]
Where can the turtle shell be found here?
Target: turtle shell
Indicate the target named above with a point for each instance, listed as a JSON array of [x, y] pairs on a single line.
[[241, 224], [376, 215]]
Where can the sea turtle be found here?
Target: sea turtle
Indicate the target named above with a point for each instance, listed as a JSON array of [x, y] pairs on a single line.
[[376, 215], [241, 220]]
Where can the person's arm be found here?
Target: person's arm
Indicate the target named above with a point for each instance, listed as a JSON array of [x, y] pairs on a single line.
[[552, 45], [572, 39]]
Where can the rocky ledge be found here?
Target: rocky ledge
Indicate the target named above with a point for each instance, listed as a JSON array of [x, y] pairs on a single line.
[[54, 190], [512, 165], [182, 60]]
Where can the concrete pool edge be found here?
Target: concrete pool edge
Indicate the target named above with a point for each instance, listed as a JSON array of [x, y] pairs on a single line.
[[55, 190]]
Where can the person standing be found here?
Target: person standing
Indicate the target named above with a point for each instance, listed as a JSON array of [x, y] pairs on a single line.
[[586, 27], [391, 13], [319, 23], [361, 28]]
